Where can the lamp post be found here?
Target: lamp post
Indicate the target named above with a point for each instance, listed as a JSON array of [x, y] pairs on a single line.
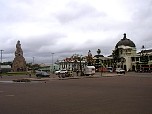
[[33, 60], [1, 55], [144, 59], [122, 61], [52, 61], [81, 65], [101, 66], [1, 63]]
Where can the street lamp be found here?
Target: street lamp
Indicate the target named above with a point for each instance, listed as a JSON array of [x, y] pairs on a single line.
[[52, 61], [33, 60], [101, 66], [122, 61], [80, 59], [1, 62], [1, 55]]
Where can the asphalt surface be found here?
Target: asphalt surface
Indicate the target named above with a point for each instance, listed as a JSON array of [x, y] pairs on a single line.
[[110, 94]]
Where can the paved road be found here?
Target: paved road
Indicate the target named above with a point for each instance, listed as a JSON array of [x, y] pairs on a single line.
[[126, 94]]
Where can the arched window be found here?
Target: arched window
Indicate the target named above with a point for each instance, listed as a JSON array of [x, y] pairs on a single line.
[[121, 51]]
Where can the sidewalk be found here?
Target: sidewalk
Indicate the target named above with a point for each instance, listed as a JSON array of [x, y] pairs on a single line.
[[55, 77], [107, 74]]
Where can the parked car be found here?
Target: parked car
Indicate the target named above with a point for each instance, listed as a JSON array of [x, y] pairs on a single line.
[[120, 71], [57, 72], [42, 74], [89, 70], [109, 69], [63, 71]]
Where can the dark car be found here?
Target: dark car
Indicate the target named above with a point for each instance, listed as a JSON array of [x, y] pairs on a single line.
[[42, 74]]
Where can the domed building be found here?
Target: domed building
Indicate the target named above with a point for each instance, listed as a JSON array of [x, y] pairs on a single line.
[[124, 56], [124, 50], [125, 42]]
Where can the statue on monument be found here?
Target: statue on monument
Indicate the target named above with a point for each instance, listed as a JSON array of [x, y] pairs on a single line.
[[89, 58], [89, 54], [18, 51], [19, 63]]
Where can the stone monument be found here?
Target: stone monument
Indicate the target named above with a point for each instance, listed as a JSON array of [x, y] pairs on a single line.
[[19, 63]]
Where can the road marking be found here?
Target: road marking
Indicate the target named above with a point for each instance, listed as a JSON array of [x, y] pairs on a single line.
[[9, 95]]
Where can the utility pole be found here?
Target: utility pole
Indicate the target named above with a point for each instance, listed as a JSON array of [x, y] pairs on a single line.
[[1, 55], [81, 74], [52, 61], [1, 64], [101, 66], [33, 60]]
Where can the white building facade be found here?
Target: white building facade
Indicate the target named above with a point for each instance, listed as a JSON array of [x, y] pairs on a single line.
[[124, 55]]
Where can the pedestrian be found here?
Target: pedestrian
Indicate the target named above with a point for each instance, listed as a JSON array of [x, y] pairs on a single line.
[[77, 72], [30, 74], [1, 73]]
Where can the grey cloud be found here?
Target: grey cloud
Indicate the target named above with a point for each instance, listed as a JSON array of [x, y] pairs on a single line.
[[77, 11], [18, 11], [143, 10], [11, 14], [80, 18], [40, 42], [40, 46], [141, 25], [7, 44]]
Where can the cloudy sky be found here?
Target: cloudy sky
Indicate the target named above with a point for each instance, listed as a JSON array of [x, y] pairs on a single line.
[[66, 27]]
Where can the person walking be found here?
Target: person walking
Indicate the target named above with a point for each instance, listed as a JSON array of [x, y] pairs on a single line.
[[77, 72], [30, 74], [1, 73]]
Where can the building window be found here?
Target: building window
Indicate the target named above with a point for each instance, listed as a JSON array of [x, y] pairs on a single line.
[[144, 59], [150, 57], [137, 58], [133, 59], [121, 51]]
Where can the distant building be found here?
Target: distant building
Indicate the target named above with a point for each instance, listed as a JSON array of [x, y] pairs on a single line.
[[49, 68], [142, 62], [72, 63], [102, 62], [125, 49], [6, 68], [54, 67], [124, 55]]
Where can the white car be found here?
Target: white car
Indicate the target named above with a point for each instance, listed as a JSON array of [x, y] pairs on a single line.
[[63, 71], [57, 72], [120, 71]]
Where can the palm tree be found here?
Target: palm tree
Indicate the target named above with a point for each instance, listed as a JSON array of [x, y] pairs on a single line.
[[98, 51]]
